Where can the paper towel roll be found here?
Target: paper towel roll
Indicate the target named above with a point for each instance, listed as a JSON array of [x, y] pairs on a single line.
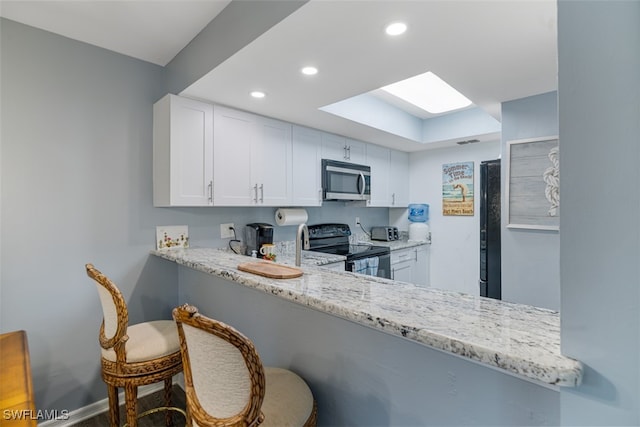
[[291, 216]]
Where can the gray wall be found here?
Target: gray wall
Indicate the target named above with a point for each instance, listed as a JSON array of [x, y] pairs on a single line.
[[530, 258], [76, 149], [599, 114]]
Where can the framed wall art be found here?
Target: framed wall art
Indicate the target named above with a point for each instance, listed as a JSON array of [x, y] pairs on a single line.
[[457, 189], [533, 183]]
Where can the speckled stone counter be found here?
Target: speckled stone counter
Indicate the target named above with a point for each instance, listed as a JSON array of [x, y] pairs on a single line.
[[519, 339]]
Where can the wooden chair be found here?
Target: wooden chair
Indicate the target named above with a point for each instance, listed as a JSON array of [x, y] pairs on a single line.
[[226, 384], [136, 355]]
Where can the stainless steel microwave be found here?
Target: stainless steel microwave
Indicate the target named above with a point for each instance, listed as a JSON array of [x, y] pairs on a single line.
[[345, 181]]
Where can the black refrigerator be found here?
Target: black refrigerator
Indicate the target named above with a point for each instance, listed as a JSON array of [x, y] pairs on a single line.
[[490, 206]]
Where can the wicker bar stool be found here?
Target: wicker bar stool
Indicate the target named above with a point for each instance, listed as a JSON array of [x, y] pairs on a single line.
[[226, 384], [136, 355]]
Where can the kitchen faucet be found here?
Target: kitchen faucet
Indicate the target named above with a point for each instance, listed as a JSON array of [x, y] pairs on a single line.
[[303, 232]]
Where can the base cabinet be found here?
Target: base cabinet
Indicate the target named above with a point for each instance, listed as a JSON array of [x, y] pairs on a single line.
[[411, 265], [420, 273]]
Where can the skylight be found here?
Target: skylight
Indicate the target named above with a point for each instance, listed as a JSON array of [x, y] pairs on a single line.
[[428, 92]]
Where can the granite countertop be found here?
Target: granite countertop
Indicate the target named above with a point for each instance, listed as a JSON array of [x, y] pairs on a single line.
[[395, 245], [519, 339]]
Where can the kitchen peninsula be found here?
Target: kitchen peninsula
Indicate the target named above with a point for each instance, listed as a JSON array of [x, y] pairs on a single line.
[[360, 340]]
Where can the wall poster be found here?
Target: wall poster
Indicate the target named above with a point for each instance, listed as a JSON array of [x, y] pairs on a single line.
[[457, 189], [533, 183]]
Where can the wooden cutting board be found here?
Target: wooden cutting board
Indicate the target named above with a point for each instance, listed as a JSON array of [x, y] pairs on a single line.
[[270, 269]]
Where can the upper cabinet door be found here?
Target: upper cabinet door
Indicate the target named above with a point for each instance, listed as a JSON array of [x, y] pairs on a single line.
[[307, 183], [334, 147], [356, 151], [271, 162], [399, 178], [182, 152], [378, 159], [234, 136]]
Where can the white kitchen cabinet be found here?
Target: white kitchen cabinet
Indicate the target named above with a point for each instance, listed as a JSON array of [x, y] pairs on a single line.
[[399, 178], [389, 176], [251, 159], [182, 152], [378, 159], [233, 134], [402, 263], [307, 181], [356, 151], [420, 272], [271, 162], [336, 147], [411, 265]]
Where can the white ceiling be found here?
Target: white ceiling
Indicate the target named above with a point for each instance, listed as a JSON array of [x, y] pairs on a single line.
[[490, 50]]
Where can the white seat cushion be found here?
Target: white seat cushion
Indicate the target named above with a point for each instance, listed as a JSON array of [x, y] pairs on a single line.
[[287, 401], [148, 340]]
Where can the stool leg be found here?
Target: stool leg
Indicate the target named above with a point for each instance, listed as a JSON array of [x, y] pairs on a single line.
[[114, 410], [168, 418], [131, 404]]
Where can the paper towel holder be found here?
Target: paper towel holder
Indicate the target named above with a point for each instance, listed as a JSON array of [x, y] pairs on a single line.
[[284, 216]]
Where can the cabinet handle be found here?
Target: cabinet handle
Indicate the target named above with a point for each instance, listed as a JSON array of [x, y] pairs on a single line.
[[255, 193], [349, 152], [261, 193], [393, 198], [211, 192]]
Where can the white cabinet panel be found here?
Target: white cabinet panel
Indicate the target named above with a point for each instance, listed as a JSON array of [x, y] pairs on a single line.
[[378, 159], [271, 168], [307, 181], [399, 178], [234, 134], [420, 272], [182, 152], [411, 265], [336, 147], [252, 159], [389, 176], [356, 151]]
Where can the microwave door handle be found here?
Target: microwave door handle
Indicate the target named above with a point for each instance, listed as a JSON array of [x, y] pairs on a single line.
[[364, 183]]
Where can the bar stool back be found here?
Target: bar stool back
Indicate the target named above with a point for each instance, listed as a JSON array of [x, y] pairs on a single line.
[[136, 355], [226, 384]]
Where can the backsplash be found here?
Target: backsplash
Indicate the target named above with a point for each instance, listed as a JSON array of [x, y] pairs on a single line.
[[204, 223]]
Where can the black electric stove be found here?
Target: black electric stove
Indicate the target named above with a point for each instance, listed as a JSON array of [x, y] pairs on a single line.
[[334, 239]]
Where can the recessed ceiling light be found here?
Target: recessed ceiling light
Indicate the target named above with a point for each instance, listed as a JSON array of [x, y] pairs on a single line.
[[429, 92], [258, 94], [309, 71], [396, 28]]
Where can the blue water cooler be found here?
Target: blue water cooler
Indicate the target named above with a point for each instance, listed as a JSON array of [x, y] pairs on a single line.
[[419, 218]]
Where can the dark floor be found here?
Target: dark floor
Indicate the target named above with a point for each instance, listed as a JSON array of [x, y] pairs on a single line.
[[153, 400]]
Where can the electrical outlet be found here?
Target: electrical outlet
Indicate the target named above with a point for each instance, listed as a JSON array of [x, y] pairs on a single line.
[[357, 220], [226, 231]]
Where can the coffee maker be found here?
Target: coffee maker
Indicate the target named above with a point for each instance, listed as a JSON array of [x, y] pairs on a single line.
[[257, 234]]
